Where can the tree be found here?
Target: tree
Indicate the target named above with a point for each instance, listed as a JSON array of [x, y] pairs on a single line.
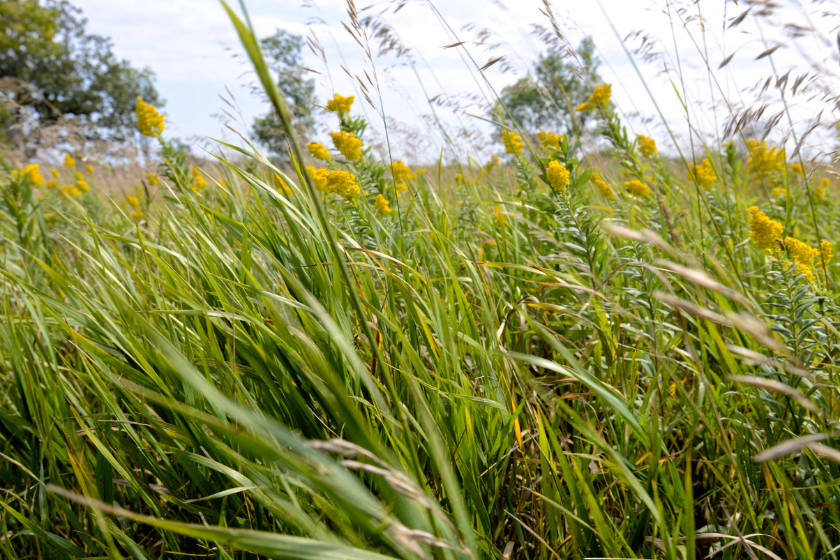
[[51, 67], [539, 101], [283, 54]]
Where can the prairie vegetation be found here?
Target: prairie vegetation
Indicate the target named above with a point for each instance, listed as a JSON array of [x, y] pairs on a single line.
[[584, 347]]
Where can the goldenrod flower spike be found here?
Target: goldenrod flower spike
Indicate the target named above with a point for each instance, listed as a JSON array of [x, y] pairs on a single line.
[[600, 98], [602, 186], [149, 120], [382, 205], [319, 151], [763, 231], [69, 162], [647, 146], [340, 104], [347, 143], [636, 188], [558, 176], [704, 173], [513, 143], [549, 139], [342, 183]]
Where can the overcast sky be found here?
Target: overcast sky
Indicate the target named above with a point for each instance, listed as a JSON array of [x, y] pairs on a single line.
[[191, 46]]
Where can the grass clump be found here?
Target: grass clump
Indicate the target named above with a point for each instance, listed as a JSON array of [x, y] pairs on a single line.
[[549, 360]]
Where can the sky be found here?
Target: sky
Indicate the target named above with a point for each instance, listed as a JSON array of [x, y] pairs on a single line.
[[653, 51]]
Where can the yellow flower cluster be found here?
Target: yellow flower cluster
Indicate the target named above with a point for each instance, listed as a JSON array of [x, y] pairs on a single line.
[[826, 253], [778, 192], [549, 139], [636, 188], [132, 200], [602, 186], [198, 180], [342, 183], [401, 173], [704, 173], [383, 207], [319, 177], [31, 173], [513, 143], [69, 162], [795, 169], [339, 182], [647, 146], [149, 120], [763, 230], [557, 176], [136, 215], [820, 190], [152, 179], [319, 151], [763, 160], [600, 98], [340, 104], [347, 143], [494, 161], [70, 190], [499, 216], [803, 255]]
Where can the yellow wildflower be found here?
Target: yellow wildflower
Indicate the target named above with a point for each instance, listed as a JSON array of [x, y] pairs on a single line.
[[382, 205], [82, 185], [52, 184], [149, 120], [31, 172], [826, 253], [281, 183], [636, 188], [600, 98], [133, 200], [557, 175], [494, 161], [69, 162], [340, 104], [198, 180], [795, 169], [549, 139], [459, 179], [704, 173], [70, 190], [89, 169], [319, 177], [319, 151], [779, 192], [647, 146], [342, 183], [602, 186], [763, 230], [54, 172], [803, 255], [513, 143], [136, 215], [819, 190], [152, 179], [78, 175], [347, 143], [499, 216], [763, 160], [401, 173]]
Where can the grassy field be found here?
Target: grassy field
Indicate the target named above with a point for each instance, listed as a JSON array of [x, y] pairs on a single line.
[[560, 354]]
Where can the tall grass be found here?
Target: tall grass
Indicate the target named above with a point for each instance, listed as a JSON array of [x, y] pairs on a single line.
[[504, 369]]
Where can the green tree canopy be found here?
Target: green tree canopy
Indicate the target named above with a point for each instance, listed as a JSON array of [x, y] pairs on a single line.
[[52, 68], [541, 100], [283, 53]]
